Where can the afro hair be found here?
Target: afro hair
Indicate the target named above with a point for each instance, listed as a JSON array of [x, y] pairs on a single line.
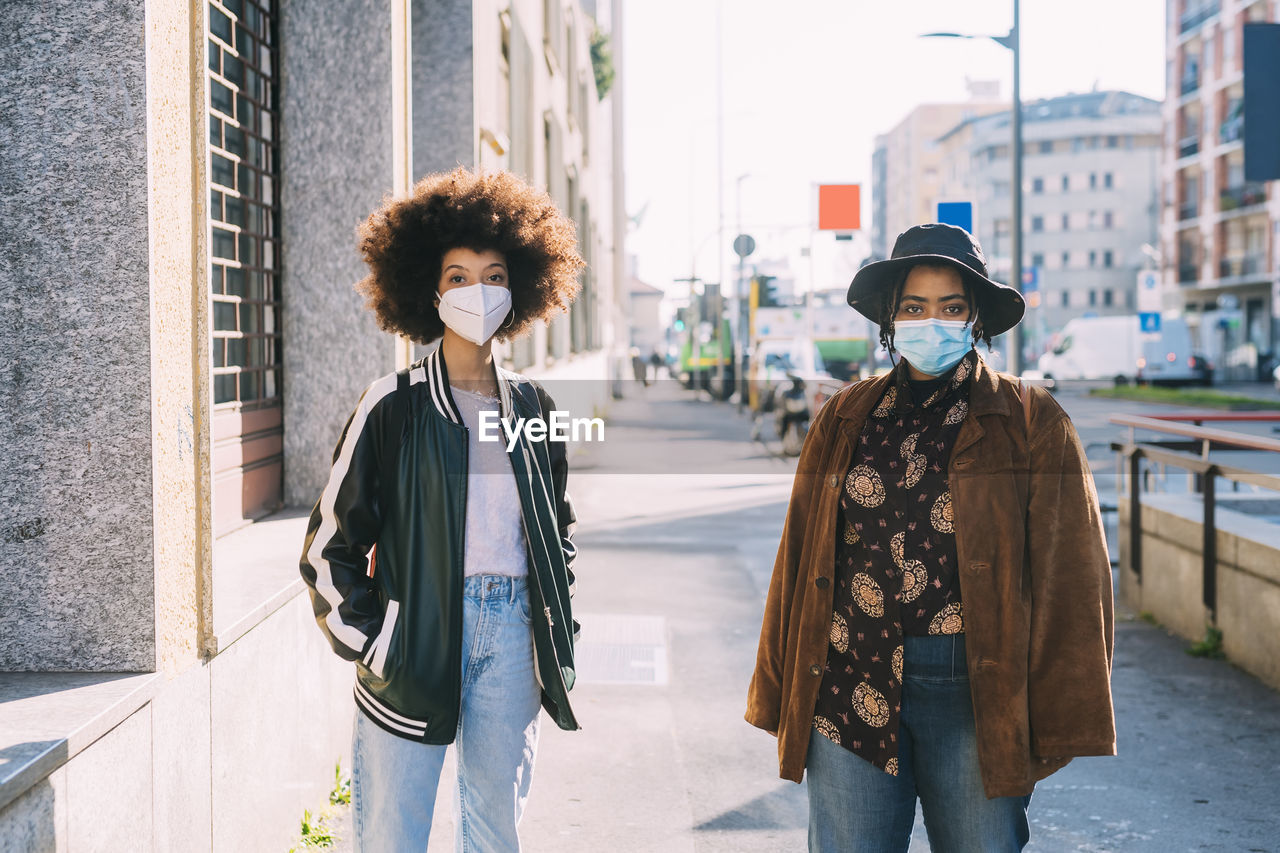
[[404, 242]]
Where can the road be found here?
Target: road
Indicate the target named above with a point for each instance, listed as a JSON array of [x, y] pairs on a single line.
[[680, 515]]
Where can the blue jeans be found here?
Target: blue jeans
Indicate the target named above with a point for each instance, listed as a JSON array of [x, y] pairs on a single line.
[[856, 806], [394, 780]]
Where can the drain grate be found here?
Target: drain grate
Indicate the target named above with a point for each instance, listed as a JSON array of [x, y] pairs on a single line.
[[621, 649]]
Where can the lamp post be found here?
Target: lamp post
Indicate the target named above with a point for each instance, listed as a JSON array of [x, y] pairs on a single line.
[[741, 301], [1010, 41]]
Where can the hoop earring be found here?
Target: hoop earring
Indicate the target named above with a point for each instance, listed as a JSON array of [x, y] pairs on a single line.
[[511, 319]]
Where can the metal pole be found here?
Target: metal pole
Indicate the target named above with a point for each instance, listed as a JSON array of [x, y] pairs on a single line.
[[722, 377], [1015, 338], [740, 291]]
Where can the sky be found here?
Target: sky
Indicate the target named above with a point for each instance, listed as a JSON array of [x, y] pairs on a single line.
[[807, 85]]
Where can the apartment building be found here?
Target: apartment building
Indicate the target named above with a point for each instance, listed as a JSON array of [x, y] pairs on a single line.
[[1089, 200], [1219, 234]]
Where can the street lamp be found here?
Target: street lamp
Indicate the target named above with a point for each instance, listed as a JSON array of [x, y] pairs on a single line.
[[1011, 42]]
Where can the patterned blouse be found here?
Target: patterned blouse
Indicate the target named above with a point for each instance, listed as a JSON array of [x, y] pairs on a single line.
[[895, 560]]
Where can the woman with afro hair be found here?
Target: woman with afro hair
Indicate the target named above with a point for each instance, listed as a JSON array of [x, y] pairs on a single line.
[[439, 556]]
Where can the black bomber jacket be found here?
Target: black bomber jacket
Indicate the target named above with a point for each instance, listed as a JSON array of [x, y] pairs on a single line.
[[402, 622]]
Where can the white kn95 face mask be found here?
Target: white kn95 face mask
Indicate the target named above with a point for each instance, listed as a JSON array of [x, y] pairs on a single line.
[[475, 311]]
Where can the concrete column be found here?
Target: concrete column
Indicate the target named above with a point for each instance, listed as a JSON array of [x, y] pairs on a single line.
[[443, 74], [77, 554], [177, 121], [337, 164]]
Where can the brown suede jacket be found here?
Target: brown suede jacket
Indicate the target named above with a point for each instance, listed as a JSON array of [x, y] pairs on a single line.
[[1034, 574]]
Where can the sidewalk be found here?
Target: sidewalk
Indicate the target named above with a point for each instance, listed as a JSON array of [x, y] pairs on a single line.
[[673, 571]]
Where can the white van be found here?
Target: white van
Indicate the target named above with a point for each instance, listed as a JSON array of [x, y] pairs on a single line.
[[1114, 348]]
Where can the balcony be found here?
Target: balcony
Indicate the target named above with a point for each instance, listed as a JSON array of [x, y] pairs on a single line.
[[1245, 195], [1189, 145], [1193, 18], [1188, 273], [1190, 83], [1188, 210], [1241, 266]]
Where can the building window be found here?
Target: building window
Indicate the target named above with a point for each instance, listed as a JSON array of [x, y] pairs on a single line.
[[1107, 181], [1066, 260], [1066, 299], [1093, 258], [1037, 259], [1106, 298], [1107, 259], [1108, 219], [1037, 185], [1066, 222], [1037, 223], [1093, 298], [244, 267], [1113, 142], [1066, 182], [1046, 146], [1093, 180]]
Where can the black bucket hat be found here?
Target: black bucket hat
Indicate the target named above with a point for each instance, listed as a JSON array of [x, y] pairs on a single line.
[[944, 245]]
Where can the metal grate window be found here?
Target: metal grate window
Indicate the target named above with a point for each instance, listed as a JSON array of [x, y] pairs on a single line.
[[244, 258]]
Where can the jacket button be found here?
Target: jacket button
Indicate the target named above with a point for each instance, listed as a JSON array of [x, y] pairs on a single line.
[[815, 670], [833, 481], [822, 583]]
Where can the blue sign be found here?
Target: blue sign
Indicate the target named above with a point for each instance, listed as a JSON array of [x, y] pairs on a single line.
[[956, 213], [1031, 279], [1149, 321]]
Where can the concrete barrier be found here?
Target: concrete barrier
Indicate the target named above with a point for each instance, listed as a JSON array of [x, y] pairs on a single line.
[[1248, 574]]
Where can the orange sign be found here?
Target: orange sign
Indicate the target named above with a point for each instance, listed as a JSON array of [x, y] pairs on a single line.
[[839, 207]]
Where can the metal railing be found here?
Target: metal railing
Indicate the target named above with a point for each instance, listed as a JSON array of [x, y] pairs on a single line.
[[1193, 18], [1207, 472], [1243, 195], [1189, 145], [1247, 265], [1188, 210]]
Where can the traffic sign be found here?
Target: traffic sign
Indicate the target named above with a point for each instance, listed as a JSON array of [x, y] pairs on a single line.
[[959, 213], [1149, 291], [1031, 279], [744, 245], [1149, 322], [839, 207]]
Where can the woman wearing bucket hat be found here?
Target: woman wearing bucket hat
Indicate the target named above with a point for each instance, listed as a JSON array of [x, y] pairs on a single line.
[[939, 622]]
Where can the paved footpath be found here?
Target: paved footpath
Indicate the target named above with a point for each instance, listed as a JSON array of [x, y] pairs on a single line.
[[673, 571]]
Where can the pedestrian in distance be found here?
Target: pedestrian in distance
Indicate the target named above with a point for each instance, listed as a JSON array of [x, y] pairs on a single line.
[[438, 561], [939, 622], [655, 362], [639, 369]]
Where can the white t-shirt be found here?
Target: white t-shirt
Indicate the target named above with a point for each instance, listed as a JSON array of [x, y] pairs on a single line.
[[495, 539]]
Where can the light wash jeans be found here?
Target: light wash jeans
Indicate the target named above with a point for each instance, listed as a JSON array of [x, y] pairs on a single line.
[[855, 807], [394, 780]]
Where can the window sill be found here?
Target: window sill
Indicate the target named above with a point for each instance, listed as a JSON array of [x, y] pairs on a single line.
[[255, 573], [47, 718]]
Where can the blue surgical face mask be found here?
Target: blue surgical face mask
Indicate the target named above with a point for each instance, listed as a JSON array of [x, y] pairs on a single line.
[[932, 346]]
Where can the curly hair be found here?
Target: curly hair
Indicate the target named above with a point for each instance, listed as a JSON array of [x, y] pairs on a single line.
[[405, 240], [892, 301]]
